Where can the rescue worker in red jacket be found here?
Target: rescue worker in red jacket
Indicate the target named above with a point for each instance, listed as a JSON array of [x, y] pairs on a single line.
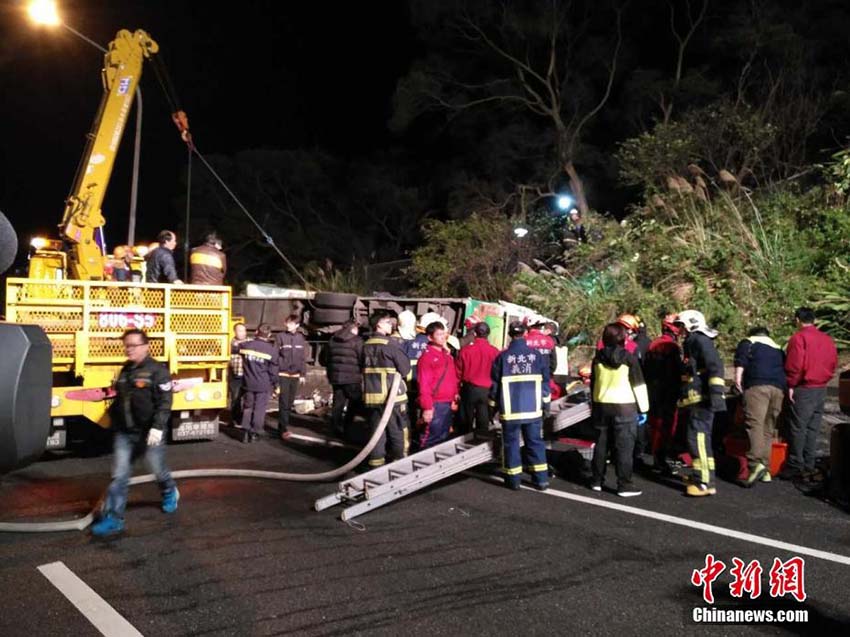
[[381, 359], [810, 362], [662, 369], [438, 387], [519, 391], [474, 364], [631, 324], [259, 369], [704, 393]]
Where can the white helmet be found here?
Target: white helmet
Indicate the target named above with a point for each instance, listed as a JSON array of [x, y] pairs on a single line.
[[407, 325], [431, 317], [694, 321]]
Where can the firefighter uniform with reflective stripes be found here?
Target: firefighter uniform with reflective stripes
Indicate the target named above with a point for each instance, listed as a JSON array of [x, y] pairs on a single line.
[[519, 390], [382, 357], [207, 266], [259, 366], [703, 392]]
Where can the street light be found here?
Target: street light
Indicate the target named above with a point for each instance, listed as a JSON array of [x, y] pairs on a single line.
[[45, 12], [564, 202]]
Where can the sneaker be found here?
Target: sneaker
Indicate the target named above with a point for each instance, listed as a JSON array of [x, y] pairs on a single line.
[[755, 475], [107, 526], [628, 491], [699, 489], [596, 486], [766, 477], [169, 500], [541, 486]]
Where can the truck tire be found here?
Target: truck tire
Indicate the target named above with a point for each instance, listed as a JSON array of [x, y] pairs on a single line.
[[334, 300], [326, 316]]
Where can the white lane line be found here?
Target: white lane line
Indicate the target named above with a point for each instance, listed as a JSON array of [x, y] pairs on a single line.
[[693, 524], [93, 607]]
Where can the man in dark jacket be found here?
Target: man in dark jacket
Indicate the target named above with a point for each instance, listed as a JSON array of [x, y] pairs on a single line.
[[704, 393], [140, 414], [474, 364], [259, 378], [160, 261], [207, 263], [341, 357], [760, 377], [810, 362], [381, 359], [292, 349]]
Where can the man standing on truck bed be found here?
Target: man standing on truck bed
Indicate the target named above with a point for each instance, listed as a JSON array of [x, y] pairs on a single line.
[[140, 414], [207, 263], [292, 350], [160, 261]]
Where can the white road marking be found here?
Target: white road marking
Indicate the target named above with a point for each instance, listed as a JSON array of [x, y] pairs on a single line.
[[93, 607], [693, 524]]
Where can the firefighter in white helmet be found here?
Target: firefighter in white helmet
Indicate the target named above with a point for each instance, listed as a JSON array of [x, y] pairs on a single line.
[[703, 393]]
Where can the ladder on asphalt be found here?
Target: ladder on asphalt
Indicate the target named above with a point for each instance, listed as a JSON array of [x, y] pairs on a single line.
[[386, 484]]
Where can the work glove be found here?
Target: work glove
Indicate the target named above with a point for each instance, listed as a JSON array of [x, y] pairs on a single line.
[[641, 420], [154, 437]]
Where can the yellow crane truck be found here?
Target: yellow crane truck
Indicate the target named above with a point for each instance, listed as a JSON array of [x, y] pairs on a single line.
[[84, 315]]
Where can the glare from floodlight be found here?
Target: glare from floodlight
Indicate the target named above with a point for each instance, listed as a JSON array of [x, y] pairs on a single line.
[[520, 231], [44, 12], [564, 202]]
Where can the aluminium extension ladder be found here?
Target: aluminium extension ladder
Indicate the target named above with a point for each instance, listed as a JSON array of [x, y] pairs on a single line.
[[383, 485]]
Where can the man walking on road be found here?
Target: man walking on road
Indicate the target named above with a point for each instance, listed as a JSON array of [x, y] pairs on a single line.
[[519, 390], [474, 364], [810, 362], [760, 377], [140, 414]]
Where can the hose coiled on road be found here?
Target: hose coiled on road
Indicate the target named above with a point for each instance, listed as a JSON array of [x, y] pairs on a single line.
[[81, 524]]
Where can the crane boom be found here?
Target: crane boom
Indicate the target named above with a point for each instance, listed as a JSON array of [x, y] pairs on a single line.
[[122, 70]]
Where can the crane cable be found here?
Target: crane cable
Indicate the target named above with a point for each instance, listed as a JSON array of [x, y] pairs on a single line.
[[182, 122], [80, 524]]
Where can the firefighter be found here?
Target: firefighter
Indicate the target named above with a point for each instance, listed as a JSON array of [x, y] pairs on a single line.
[[662, 369], [292, 352], [631, 323], [207, 263], [438, 388], [703, 392], [381, 359], [519, 391], [140, 414], [539, 337], [474, 364], [620, 403], [259, 373]]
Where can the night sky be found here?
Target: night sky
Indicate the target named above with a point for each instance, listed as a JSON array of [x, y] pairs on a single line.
[[249, 75]]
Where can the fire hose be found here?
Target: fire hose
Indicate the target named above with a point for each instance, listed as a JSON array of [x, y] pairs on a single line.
[[81, 524]]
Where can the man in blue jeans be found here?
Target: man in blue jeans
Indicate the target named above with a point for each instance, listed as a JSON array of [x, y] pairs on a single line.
[[140, 415]]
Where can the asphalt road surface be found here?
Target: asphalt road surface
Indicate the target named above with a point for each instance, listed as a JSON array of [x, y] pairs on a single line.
[[464, 557]]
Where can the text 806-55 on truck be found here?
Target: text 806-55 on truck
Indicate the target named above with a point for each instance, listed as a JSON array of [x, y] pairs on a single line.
[[84, 316]]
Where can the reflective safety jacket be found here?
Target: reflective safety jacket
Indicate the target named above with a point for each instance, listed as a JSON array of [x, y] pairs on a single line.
[[207, 266], [520, 386], [616, 383], [259, 365], [414, 348], [703, 381], [381, 358]]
